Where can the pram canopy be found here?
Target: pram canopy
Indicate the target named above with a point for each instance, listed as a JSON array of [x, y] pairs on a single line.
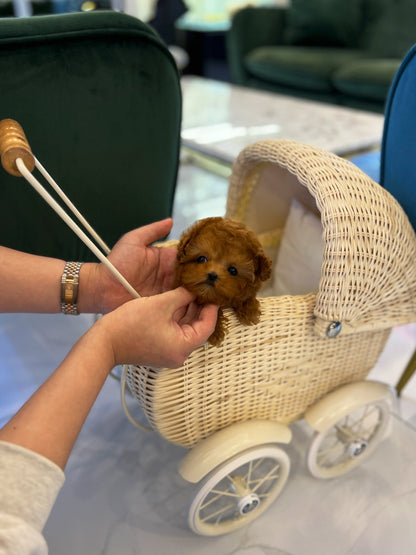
[[368, 277]]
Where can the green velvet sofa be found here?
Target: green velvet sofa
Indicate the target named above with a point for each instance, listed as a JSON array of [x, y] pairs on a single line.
[[339, 51]]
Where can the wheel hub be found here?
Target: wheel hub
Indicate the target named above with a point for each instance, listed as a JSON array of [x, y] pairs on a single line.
[[357, 447], [248, 503]]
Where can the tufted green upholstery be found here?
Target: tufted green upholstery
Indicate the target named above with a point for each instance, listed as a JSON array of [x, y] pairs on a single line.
[[343, 52], [99, 99]]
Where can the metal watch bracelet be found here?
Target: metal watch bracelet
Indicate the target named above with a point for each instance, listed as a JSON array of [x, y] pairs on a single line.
[[69, 288]]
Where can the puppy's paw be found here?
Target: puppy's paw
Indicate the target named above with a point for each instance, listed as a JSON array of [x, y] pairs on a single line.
[[249, 312], [217, 337]]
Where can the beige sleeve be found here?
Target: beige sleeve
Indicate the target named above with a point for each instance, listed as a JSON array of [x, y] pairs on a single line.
[[29, 485]]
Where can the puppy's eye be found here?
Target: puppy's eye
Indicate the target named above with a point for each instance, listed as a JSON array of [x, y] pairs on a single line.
[[232, 270], [202, 259]]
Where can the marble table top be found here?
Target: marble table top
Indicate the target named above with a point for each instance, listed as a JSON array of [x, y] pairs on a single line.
[[220, 119]]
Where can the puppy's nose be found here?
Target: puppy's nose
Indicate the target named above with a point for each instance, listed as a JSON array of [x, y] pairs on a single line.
[[212, 277]]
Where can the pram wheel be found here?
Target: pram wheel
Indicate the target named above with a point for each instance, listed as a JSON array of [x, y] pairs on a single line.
[[349, 441], [239, 490]]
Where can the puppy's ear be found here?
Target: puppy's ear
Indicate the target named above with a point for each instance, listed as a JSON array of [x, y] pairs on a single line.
[[183, 241], [186, 237], [263, 266]]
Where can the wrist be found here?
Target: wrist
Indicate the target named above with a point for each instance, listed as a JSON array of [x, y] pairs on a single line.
[[89, 291], [101, 335], [97, 342]]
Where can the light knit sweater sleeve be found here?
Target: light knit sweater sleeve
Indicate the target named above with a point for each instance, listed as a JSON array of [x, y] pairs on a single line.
[[29, 485]]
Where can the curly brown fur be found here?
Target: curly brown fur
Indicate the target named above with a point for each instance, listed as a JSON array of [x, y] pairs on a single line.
[[222, 262]]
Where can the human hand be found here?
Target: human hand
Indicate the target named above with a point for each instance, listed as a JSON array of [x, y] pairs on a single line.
[[158, 331], [148, 269]]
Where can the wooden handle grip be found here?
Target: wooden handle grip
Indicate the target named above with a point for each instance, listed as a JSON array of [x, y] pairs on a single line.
[[13, 145]]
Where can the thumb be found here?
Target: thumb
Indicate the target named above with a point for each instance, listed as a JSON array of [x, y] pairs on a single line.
[[197, 331], [179, 297], [154, 231]]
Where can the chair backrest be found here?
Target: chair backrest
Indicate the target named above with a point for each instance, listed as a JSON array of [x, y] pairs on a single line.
[[98, 96], [398, 152]]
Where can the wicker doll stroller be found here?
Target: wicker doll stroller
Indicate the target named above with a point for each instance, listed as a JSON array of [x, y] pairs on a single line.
[[309, 355]]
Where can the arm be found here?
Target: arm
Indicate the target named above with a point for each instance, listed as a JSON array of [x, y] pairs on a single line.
[[31, 283], [160, 331]]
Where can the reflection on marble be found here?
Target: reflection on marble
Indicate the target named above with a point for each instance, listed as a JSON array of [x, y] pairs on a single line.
[[220, 119], [123, 494]]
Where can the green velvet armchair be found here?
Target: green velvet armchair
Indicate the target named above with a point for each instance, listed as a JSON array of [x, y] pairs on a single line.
[[99, 99]]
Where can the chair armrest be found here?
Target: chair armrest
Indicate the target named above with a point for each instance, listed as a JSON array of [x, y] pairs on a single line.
[[252, 28]]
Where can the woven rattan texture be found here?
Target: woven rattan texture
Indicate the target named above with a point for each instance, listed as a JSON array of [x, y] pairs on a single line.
[[272, 371], [369, 267], [278, 368]]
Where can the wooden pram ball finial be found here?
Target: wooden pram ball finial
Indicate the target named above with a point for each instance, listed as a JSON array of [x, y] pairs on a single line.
[[13, 145]]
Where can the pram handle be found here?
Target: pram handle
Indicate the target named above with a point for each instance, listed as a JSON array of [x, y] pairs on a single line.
[[13, 145]]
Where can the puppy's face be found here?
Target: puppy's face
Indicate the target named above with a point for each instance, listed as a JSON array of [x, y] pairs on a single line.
[[221, 262]]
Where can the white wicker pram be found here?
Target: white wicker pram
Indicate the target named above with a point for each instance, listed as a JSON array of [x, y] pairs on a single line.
[[309, 355]]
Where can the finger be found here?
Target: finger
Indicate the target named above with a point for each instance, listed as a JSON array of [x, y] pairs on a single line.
[[203, 327], [190, 314], [154, 231], [209, 314], [179, 297]]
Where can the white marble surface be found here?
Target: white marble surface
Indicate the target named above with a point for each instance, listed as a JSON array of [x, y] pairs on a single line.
[[220, 119], [124, 496]]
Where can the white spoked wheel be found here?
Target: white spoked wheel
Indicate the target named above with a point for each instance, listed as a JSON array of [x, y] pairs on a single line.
[[348, 442], [239, 490]]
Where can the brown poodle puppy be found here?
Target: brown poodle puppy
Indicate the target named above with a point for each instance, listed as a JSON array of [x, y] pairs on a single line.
[[222, 262]]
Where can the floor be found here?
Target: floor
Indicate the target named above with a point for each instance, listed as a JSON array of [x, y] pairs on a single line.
[[123, 494]]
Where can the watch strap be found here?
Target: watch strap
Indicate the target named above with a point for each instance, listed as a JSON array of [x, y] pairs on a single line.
[[69, 288]]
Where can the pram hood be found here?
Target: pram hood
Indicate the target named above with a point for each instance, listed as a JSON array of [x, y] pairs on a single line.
[[368, 278]]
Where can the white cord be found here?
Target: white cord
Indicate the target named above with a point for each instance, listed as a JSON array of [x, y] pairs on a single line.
[[75, 228], [123, 402]]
